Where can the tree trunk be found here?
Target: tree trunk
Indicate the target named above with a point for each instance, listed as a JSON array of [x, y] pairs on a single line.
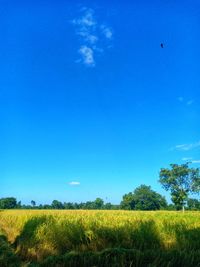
[[183, 208]]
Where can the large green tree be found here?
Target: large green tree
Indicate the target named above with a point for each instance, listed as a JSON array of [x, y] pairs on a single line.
[[143, 198], [8, 203], [180, 180]]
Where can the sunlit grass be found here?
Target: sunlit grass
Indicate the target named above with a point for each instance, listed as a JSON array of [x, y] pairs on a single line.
[[38, 234]]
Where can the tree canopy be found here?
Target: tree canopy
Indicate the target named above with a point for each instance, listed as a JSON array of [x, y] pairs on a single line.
[[8, 203], [180, 180], [143, 198]]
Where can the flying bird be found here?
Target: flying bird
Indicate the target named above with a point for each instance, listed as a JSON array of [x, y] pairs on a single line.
[[162, 45]]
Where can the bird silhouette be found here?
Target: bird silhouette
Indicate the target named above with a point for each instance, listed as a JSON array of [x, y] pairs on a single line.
[[162, 45]]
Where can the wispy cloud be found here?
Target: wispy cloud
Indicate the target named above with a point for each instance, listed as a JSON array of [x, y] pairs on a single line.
[[187, 147], [190, 102], [108, 33], [195, 161], [74, 183], [185, 101], [180, 98], [186, 159], [87, 55], [91, 35], [191, 160]]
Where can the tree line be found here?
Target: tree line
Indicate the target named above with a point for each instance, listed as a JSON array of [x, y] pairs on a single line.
[[180, 180]]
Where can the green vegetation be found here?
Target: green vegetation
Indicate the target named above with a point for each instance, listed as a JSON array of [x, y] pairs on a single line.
[[141, 234], [101, 238], [7, 254], [143, 198], [180, 180], [8, 203]]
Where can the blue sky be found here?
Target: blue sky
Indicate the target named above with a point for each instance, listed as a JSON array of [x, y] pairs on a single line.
[[90, 104]]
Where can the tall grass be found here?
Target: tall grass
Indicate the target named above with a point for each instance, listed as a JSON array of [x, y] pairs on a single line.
[[103, 238]]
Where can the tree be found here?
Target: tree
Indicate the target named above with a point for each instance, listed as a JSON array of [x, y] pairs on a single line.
[[143, 198], [180, 180], [19, 205], [57, 204], [127, 202], [8, 203], [107, 206], [147, 199], [33, 203], [68, 206], [98, 203], [193, 204]]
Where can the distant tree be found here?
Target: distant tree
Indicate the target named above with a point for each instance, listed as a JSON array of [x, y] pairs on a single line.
[[81, 206], [180, 180], [76, 206], [127, 202], [193, 204], [8, 203], [147, 199], [98, 203], [68, 206], [115, 207], [33, 203], [57, 204], [19, 205], [92, 205], [143, 198], [107, 206], [171, 207], [89, 205]]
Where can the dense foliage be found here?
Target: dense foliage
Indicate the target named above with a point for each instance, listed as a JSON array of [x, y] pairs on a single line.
[[180, 180], [143, 198]]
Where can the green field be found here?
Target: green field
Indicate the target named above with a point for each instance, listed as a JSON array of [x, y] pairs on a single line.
[[99, 238]]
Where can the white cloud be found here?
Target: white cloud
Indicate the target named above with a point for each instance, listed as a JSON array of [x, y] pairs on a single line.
[[186, 159], [187, 147], [74, 183], [87, 55], [190, 159], [186, 102], [190, 102], [87, 19], [107, 31], [86, 26], [195, 161], [91, 38], [90, 35]]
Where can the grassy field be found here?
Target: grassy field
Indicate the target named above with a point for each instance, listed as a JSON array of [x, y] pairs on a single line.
[[99, 238]]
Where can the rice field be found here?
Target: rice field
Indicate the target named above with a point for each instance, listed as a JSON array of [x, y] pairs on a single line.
[[99, 238]]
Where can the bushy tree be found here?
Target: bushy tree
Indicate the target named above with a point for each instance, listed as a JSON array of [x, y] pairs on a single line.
[[57, 204], [147, 199], [128, 202], [143, 198], [107, 206], [98, 203], [180, 180], [8, 203]]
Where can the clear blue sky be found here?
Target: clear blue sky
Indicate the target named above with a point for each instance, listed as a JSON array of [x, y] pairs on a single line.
[[90, 104]]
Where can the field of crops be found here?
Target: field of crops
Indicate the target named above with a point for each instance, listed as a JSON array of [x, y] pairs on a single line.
[[99, 238]]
